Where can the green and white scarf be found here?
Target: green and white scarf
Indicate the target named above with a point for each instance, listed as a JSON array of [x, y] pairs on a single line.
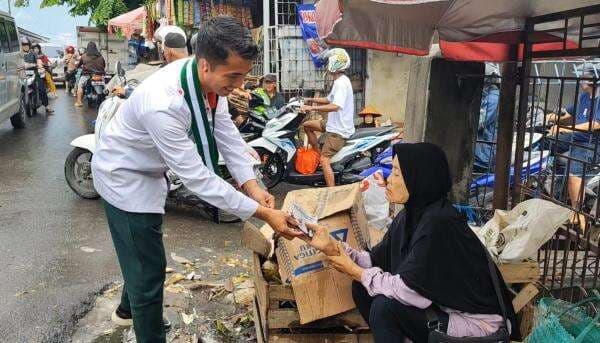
[[202, 128]]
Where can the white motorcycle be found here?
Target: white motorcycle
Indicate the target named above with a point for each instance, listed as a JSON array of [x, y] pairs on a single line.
[[78, 171], [277, 150]]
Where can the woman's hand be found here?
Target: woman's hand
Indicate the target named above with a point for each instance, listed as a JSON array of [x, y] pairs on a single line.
[[321, 240], [379, 179], [344, 264]]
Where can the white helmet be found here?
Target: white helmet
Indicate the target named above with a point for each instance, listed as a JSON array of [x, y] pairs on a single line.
[[338, 60]]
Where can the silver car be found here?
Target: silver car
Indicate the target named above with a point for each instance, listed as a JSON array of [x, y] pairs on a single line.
[[12, 103]]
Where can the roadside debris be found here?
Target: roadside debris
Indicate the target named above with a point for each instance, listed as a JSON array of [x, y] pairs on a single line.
[[180, 259], [89, 250]]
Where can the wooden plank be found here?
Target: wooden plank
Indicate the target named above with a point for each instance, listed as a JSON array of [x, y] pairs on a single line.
[[261, 289], [525, 296], [258, 322], [526, 272], [289, 318], [281, 292], [317, 338], [526, 318], [254, 240]]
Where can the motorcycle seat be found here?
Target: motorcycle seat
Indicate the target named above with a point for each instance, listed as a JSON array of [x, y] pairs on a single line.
[[371, 131]]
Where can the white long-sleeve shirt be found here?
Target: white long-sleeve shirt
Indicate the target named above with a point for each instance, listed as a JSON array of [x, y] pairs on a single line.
[[150, 134]]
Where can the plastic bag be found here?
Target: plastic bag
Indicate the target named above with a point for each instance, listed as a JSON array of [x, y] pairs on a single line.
[[517, 235], [376, 204], [307, 160]]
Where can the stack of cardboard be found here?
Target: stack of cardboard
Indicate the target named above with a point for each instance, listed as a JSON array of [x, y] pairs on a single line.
[[312, 294]]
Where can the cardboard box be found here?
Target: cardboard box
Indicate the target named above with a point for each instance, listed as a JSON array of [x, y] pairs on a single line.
[[320, 290]]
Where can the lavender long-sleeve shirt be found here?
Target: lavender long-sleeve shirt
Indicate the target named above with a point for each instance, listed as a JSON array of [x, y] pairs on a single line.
[[376, 281]]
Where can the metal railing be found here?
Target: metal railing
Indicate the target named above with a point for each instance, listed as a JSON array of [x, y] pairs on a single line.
[[568, 144]]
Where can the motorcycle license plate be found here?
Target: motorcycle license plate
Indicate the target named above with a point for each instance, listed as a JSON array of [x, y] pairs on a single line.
[[97, 83], [29, 72]]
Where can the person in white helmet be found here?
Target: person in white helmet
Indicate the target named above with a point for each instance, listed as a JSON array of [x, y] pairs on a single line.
[[339, 105]]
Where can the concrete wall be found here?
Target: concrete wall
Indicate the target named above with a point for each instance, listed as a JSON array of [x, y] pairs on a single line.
[[387, 83], [443, 109]]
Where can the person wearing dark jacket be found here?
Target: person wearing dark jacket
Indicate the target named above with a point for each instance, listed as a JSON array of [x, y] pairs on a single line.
[[429, 261], [32, 62], [91, 63]]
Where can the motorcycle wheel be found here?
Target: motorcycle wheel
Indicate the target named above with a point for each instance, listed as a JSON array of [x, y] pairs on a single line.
[[31, 106], [272, 168], [78, 173], [219, 216]]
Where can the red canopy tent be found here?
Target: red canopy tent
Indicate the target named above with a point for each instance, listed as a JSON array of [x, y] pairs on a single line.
[[128, 22], [474, 30]]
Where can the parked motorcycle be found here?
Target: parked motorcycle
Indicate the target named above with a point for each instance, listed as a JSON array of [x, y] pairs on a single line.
[[277, 149], [33, 100], [482, 186], [78, 171]]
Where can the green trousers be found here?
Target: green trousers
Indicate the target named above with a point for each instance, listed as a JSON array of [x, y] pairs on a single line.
[[138, 241]]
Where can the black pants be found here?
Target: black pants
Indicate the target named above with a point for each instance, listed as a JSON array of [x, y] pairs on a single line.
[[138, 241], [42, 91], [390, 320]]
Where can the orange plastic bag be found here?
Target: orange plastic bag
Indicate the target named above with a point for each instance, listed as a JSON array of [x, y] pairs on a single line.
[[307, 161]]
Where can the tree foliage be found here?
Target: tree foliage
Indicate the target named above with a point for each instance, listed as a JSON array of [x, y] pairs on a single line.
[[100, 11]]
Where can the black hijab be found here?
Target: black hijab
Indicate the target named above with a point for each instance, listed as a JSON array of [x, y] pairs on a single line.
[[92, 50], [430, 245]]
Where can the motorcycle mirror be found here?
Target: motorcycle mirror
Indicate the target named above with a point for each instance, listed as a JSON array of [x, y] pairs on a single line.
[[301, 89], [120, 69]]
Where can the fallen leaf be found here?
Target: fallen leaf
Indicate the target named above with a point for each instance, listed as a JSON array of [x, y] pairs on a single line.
[[189, 318], [23, 293], [241, 296], [176, 289], [190, 276], [89, 250], [174, 278], [180, 259], [204, 284], [221, 328], [241, 278], [229, 286]]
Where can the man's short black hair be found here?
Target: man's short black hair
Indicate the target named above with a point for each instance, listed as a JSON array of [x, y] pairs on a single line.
[[219, 36]]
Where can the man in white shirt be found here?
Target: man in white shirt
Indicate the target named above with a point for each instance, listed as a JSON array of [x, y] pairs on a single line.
[[149, 135], [339, 105]]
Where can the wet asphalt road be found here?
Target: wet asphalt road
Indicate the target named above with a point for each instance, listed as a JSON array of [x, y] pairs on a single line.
[[46, 280]]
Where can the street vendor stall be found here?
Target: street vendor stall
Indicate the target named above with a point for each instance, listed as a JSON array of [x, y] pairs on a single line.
[[128, 23]]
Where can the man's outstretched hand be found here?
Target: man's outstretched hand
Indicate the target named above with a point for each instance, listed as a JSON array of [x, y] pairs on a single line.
[[283, 223], [261, 196]]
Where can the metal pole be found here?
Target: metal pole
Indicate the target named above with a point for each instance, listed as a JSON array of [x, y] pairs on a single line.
[[9, 10], [266, 41], [506, 117], [522, 116]]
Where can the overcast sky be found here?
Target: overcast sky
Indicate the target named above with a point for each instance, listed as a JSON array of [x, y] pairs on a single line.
[[52, 22]]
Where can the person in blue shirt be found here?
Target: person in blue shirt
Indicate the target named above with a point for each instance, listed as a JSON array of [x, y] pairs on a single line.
[[485, 151], [586, 117]]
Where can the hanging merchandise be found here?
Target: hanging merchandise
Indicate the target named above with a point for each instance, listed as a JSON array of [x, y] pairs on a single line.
[[316, 46], [185, 12], [180, 13], [197, 13]]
